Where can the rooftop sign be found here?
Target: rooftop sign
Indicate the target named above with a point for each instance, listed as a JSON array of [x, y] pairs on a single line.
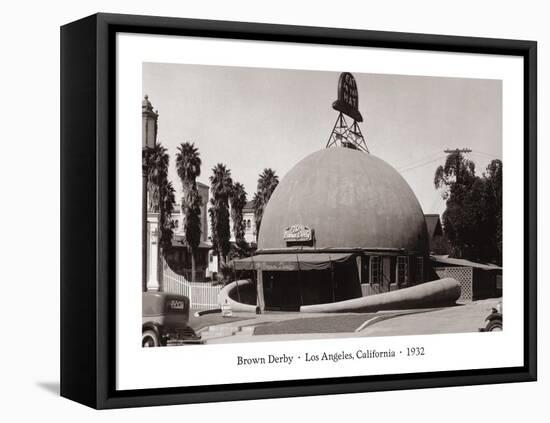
[[348, 97]]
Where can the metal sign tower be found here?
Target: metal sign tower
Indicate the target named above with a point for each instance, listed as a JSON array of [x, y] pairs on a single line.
[[347, 104]]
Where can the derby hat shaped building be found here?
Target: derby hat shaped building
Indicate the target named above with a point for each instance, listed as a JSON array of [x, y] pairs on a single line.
[[341, 224]]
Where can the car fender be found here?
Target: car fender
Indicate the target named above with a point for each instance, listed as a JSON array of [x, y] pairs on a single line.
[[154, 327], [494, 316]]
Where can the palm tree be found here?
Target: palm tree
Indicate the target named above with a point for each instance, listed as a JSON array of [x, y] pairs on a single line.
[[167, 200], [188, 165], [157, 173], [161, 198], [221, 185], [213, 212], [267, 182], [237, 199]]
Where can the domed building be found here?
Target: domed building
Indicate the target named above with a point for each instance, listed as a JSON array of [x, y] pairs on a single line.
[[351, 200], [341, 224]]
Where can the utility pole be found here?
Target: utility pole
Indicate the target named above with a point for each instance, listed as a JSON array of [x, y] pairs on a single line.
[[458, 150]]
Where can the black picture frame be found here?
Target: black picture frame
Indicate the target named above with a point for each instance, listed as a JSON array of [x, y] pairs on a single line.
[[88, 53]]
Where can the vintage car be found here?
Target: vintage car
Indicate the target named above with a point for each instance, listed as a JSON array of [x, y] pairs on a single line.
[[494, 320], [165, 318]]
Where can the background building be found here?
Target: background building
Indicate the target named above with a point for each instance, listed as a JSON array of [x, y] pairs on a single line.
[[477, 280], [250, 222]]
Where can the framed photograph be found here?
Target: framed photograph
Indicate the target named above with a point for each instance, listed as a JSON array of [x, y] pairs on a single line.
[[257, 211]]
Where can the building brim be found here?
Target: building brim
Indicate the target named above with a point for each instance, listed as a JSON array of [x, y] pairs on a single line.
[[291, 262]]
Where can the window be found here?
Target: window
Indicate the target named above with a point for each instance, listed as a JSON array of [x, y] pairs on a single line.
[[499, 281], [375, 269], [365, 274], [402, 270], [419, 270]]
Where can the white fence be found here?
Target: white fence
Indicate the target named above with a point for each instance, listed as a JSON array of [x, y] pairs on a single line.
[[201, 294]]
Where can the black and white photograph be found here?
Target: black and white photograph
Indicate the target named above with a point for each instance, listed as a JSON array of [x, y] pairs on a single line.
[[275, 211], [283, 205]]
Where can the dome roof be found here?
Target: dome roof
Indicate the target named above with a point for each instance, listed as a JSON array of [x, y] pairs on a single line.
[[350, 199]]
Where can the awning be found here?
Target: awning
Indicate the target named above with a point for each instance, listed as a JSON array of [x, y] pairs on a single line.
[[290, 262], [445, 259]]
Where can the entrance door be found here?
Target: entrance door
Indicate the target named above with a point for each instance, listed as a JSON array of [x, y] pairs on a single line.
[[282, 291]]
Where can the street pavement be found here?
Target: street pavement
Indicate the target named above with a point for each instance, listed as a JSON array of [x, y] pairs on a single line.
[[458, 319], [247, 327]]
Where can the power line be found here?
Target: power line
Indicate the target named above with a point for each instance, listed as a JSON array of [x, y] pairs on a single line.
[[420, 160], [423, 162], [408, 168], [491, 156]]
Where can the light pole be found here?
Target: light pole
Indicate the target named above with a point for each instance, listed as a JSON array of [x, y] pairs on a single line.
[[149, 136]]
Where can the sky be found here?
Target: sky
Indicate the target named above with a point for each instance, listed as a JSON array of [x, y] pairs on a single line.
[[254, 118]]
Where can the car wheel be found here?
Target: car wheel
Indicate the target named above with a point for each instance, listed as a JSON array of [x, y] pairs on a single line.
[[149, 339], [494, 326]]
